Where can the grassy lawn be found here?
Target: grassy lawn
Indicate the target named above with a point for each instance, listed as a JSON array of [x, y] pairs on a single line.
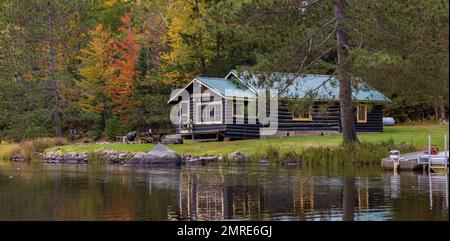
[[411, 134]]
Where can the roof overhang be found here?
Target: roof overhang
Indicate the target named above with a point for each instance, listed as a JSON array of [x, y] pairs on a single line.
[[172, 98], [252, 89]]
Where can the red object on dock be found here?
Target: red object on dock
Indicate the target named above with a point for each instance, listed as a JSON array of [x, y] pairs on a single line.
[[433, 151]]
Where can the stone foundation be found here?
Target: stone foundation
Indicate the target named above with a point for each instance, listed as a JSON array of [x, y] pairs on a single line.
[[306, 133]]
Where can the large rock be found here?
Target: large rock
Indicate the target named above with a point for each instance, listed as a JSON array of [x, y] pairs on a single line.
[[237, 156], [159, 156]]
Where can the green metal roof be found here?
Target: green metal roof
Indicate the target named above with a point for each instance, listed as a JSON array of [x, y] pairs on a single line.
[[320, 87], [227, 87], [326, 87]]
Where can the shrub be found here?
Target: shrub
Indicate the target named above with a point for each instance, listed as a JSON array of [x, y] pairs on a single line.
[[364, 154], [96, 131], [96, 158], [290, 155], [30, 149], [7, 151], [272, 152]]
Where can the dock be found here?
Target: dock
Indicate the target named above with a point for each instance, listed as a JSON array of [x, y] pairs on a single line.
[[431, 160], [416, 161]]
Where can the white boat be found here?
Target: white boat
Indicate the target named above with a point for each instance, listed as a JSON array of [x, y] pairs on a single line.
[[414, 161], [431, 159]]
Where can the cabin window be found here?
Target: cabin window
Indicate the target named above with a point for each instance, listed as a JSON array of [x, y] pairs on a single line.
[[244, 108], [302, 113], [361, 114], [209, 113], [239, 108]]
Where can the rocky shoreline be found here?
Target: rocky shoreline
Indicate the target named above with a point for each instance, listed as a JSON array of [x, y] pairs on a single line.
[[161, 155]]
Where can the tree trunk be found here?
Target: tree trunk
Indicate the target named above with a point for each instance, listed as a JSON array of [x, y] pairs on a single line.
[[56, 114], [442, 109], [345, 85], [436, 113]]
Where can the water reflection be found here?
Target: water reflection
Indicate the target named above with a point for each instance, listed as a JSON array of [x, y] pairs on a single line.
[[212, 196], [74, 192], [348, 201]]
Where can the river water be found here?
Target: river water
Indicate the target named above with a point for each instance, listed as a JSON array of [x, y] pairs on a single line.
[[82, 192]]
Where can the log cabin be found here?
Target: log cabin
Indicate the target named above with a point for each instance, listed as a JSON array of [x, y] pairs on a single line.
[[210, 108]]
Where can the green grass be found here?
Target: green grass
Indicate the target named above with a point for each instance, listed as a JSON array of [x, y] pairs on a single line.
[[409, 134]]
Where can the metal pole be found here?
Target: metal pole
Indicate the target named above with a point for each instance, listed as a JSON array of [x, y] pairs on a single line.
[[445, 151], [179, 121], [429, 172], [429, 154], [431, 190], [446, 190]]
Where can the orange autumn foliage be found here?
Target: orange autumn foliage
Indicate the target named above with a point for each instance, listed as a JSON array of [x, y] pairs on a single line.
[[123, 70]]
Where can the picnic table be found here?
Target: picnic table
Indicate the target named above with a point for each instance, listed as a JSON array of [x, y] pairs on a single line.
[[151, 137]]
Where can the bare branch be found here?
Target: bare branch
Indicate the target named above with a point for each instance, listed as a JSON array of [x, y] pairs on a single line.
[[306, 55], [302, 68], [323, 83], [328, 37], [322, 28]]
